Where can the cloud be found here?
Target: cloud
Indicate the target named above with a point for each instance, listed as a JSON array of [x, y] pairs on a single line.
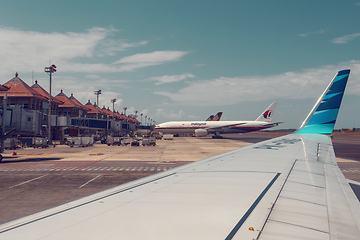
[[170, 79], [311, 33], [28, 51], [346, 38], [142, 60], [289, 85], [109, 47]]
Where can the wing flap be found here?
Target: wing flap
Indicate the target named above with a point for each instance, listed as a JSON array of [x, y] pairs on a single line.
[[315, 202], [342, 206]]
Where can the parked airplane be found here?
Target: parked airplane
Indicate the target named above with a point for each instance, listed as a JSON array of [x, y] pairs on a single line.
[[216, 117], [203, 128], [283, 188]]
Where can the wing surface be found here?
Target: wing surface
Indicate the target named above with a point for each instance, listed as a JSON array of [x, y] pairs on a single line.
[[223, 127], [289, 187], [284, 188]]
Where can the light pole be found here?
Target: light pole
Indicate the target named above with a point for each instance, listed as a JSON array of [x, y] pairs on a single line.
[[141, 114], [125, 108], [113, 102], [50, 70], [97, 93]]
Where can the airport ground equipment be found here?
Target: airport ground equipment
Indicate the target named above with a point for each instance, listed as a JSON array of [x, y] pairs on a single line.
[[135, 143], [40, 142], [168, 136], [117, 141], [11, 143], [125, 141], [110, 141], [149, 141], [80, 141]]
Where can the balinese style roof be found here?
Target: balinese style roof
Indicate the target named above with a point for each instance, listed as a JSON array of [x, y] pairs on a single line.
[[44, 93], [74, 100], [119, 116], [67, 103], [18, 88], [107, 111], [92, 108]]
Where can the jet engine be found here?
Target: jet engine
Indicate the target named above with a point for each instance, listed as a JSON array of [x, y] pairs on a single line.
[[201, 132]]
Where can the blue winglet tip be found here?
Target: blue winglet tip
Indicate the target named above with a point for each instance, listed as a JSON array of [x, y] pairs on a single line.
[[322, 118]]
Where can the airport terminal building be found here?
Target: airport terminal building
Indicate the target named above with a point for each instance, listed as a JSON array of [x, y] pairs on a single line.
[[27, 114]]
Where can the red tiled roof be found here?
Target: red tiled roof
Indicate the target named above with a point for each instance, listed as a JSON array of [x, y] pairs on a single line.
[[107, 111], [18, 88], [67, 103], [92, 108], [44, 93], [74, 100], [119, 116], [3, 88]]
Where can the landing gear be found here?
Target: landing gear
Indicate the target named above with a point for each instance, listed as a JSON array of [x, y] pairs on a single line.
[[217, 136]]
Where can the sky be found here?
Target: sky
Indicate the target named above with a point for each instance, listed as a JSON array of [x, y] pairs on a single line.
[[186, 60]]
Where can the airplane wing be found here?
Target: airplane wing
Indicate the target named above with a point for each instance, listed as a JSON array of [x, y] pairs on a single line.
[[272, 124], [284, 188], [222, 127]]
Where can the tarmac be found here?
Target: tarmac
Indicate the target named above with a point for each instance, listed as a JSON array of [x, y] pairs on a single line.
[[36, 179]]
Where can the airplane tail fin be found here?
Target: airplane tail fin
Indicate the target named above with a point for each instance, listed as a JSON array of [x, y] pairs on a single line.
[[216, 117], [322, 118], [267, 115]]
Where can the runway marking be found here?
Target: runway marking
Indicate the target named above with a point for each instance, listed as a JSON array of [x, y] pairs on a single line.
[[90, 181], [29, 181], [93, 163], [46, 154], [125, 168], [96, 154]]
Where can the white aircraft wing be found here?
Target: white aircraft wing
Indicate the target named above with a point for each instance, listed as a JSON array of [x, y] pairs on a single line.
[[285, 188], [222, 127]]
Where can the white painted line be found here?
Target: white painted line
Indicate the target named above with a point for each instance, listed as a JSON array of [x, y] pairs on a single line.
[[90, 181], [29, 181]]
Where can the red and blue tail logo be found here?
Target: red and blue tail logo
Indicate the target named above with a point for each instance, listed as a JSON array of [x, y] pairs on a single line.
[[267, 114]]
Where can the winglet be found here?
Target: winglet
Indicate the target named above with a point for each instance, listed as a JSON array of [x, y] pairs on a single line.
[[267, 115], [322, 118]]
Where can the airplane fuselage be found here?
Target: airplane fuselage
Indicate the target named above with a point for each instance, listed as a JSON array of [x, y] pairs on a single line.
[[189, 127]]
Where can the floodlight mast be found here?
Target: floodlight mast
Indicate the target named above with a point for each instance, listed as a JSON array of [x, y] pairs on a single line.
[[97, 93], [113, 102], [50, 70]]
